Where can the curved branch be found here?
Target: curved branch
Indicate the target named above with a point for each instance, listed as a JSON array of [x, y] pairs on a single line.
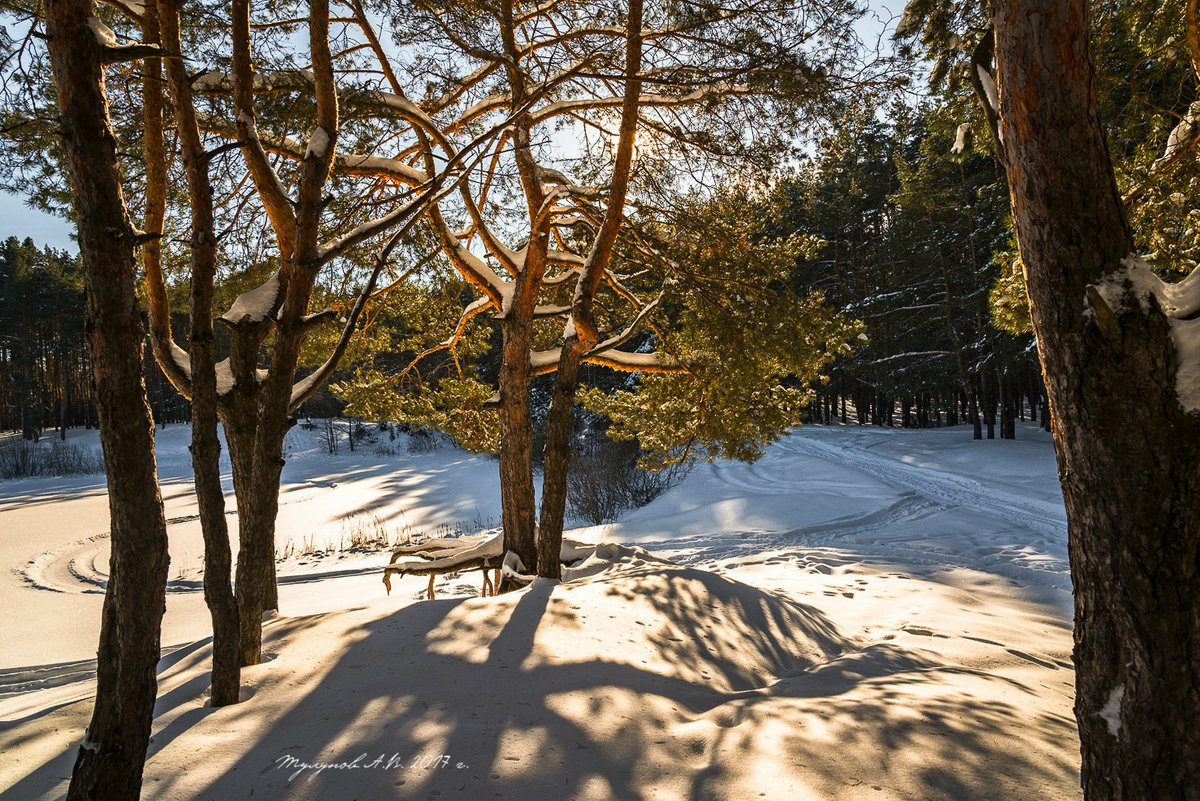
[[174, 360], [270, 190]]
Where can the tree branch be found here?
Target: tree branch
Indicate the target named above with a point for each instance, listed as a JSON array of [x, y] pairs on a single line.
[[174, 360]]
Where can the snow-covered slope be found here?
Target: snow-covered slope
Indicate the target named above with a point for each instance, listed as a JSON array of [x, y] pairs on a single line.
[[864, 613]]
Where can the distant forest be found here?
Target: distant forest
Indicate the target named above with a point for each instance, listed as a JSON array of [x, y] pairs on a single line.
[[45, 381]]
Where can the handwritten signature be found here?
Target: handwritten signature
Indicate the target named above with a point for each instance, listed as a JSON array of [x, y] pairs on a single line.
[[364, 762]]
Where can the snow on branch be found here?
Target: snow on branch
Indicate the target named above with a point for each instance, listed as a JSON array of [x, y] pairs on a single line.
[[358, 164], [984, 85], [550, 310], [175, 362], [1179, 303], [1182, 138], [606, 353], [469, 313], [133, 9], [566, 259], [566, 275], [470, 266], [226, 380], [256, 305], [401, 106], [546, 361], [318, 144], [215, 82], [461, 86], [921, 354], [989, 88], [553, 177], [339, 245], [537, 11], [113, 51], [655, 362]]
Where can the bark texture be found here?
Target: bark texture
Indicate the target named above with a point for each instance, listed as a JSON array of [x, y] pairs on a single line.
[[1128, 453], [257, 492], [516, 430], [556, 462], [205, 447], [109, 762], [256, 410], [584, 334], [516, 446]]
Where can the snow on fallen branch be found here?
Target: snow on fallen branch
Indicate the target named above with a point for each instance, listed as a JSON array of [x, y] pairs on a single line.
[[441, 556], [445, 555]]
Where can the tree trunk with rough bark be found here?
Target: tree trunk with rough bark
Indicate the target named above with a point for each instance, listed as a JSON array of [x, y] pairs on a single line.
[[582, 334], [555, 464], [206, 446], [516, 449], [109, 761], [1128, 451], [257, 497]]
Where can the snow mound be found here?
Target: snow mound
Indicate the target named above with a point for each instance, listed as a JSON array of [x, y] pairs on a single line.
[[626, 606], [554, 682], [622, 605]]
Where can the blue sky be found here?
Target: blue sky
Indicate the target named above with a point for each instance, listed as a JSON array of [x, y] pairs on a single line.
[[17, 219]]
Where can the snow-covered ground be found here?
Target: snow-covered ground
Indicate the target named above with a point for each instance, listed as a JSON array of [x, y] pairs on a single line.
[[863, 613]]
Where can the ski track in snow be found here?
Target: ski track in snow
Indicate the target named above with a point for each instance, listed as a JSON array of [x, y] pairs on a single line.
[[81, 566], [946, 489], [1036, 555]]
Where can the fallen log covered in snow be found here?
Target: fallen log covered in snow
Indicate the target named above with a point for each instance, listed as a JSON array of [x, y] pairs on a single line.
[[444, 555], [437, 557]]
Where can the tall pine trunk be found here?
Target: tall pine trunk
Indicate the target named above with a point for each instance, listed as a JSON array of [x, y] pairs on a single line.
[[556, 463], [1128, 452], [584, 333], [206, 446], [256, 486], [516, 447], [109, 761]]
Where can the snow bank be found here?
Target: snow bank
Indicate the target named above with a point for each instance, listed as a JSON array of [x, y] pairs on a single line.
[[862, 614]]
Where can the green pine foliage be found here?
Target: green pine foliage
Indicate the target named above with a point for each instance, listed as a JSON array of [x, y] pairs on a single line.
[[455, 405], [910, 232], [1145, 87], [753, 347], [1008, 301], [396, 369]]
